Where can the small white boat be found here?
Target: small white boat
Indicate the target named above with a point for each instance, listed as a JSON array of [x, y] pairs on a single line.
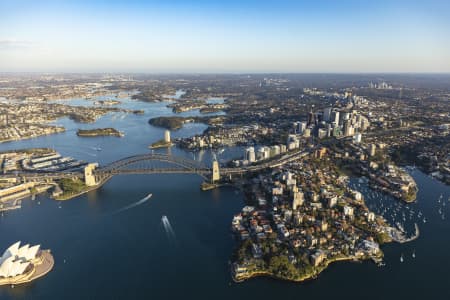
[[401, 258]]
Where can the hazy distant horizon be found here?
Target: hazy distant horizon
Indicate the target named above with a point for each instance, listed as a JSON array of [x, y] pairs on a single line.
[[265, 36], [216, 73]]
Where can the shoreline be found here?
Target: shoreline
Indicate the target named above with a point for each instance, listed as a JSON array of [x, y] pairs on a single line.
[[99, 132], [161, 144], [31, 137], [71, 196], [88, 189], [313, 275]]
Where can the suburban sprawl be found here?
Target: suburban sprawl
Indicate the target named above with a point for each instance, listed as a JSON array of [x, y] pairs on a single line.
[[299, 139]]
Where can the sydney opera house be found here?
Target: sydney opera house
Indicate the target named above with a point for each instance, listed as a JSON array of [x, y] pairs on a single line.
[[24, 264]]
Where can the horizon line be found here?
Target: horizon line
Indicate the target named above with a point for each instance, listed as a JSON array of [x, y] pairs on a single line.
[[236, 73]]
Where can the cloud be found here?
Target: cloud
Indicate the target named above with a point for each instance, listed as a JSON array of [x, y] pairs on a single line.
[[12, 44]]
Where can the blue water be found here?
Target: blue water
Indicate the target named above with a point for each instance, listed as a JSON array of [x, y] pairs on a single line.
[[138, 133], [102, 254]]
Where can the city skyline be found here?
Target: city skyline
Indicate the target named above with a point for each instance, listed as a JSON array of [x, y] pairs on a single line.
[[225, 37]]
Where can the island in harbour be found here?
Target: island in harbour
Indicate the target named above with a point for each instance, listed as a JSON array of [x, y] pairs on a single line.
[[171, 123], [175, 123], [106, 102], [99, 132], [138, 111]]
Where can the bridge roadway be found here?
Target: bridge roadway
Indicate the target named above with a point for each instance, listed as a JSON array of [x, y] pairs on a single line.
[[179, 166], [187, 165]]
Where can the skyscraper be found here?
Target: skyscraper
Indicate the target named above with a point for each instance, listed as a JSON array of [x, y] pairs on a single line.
[[327, 114]]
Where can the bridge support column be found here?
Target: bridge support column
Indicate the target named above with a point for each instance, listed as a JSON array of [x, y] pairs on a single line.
[[89, 177], [215, 171]]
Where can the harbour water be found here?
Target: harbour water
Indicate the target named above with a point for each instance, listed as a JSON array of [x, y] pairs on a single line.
[[102, 254]]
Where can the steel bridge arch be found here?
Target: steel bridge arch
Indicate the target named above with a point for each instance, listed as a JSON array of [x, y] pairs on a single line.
[[185, 165]]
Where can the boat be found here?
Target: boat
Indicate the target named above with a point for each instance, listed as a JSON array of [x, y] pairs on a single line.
[[414, 254], [401, 258]]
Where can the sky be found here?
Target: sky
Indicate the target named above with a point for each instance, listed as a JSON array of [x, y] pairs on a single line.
[[233, 36]]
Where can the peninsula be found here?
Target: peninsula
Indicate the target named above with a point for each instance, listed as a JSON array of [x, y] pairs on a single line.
[[161, 144], [300, 219], [24, 264]]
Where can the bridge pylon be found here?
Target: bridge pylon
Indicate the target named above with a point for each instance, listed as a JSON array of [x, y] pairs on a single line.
[[89, 177], [215, 172]]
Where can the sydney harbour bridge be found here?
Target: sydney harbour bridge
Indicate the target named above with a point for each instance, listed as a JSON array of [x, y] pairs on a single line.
[[156, 163]]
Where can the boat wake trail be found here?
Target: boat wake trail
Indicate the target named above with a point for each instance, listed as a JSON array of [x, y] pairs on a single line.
[[90, 154], [168, 228], [137, 203]]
